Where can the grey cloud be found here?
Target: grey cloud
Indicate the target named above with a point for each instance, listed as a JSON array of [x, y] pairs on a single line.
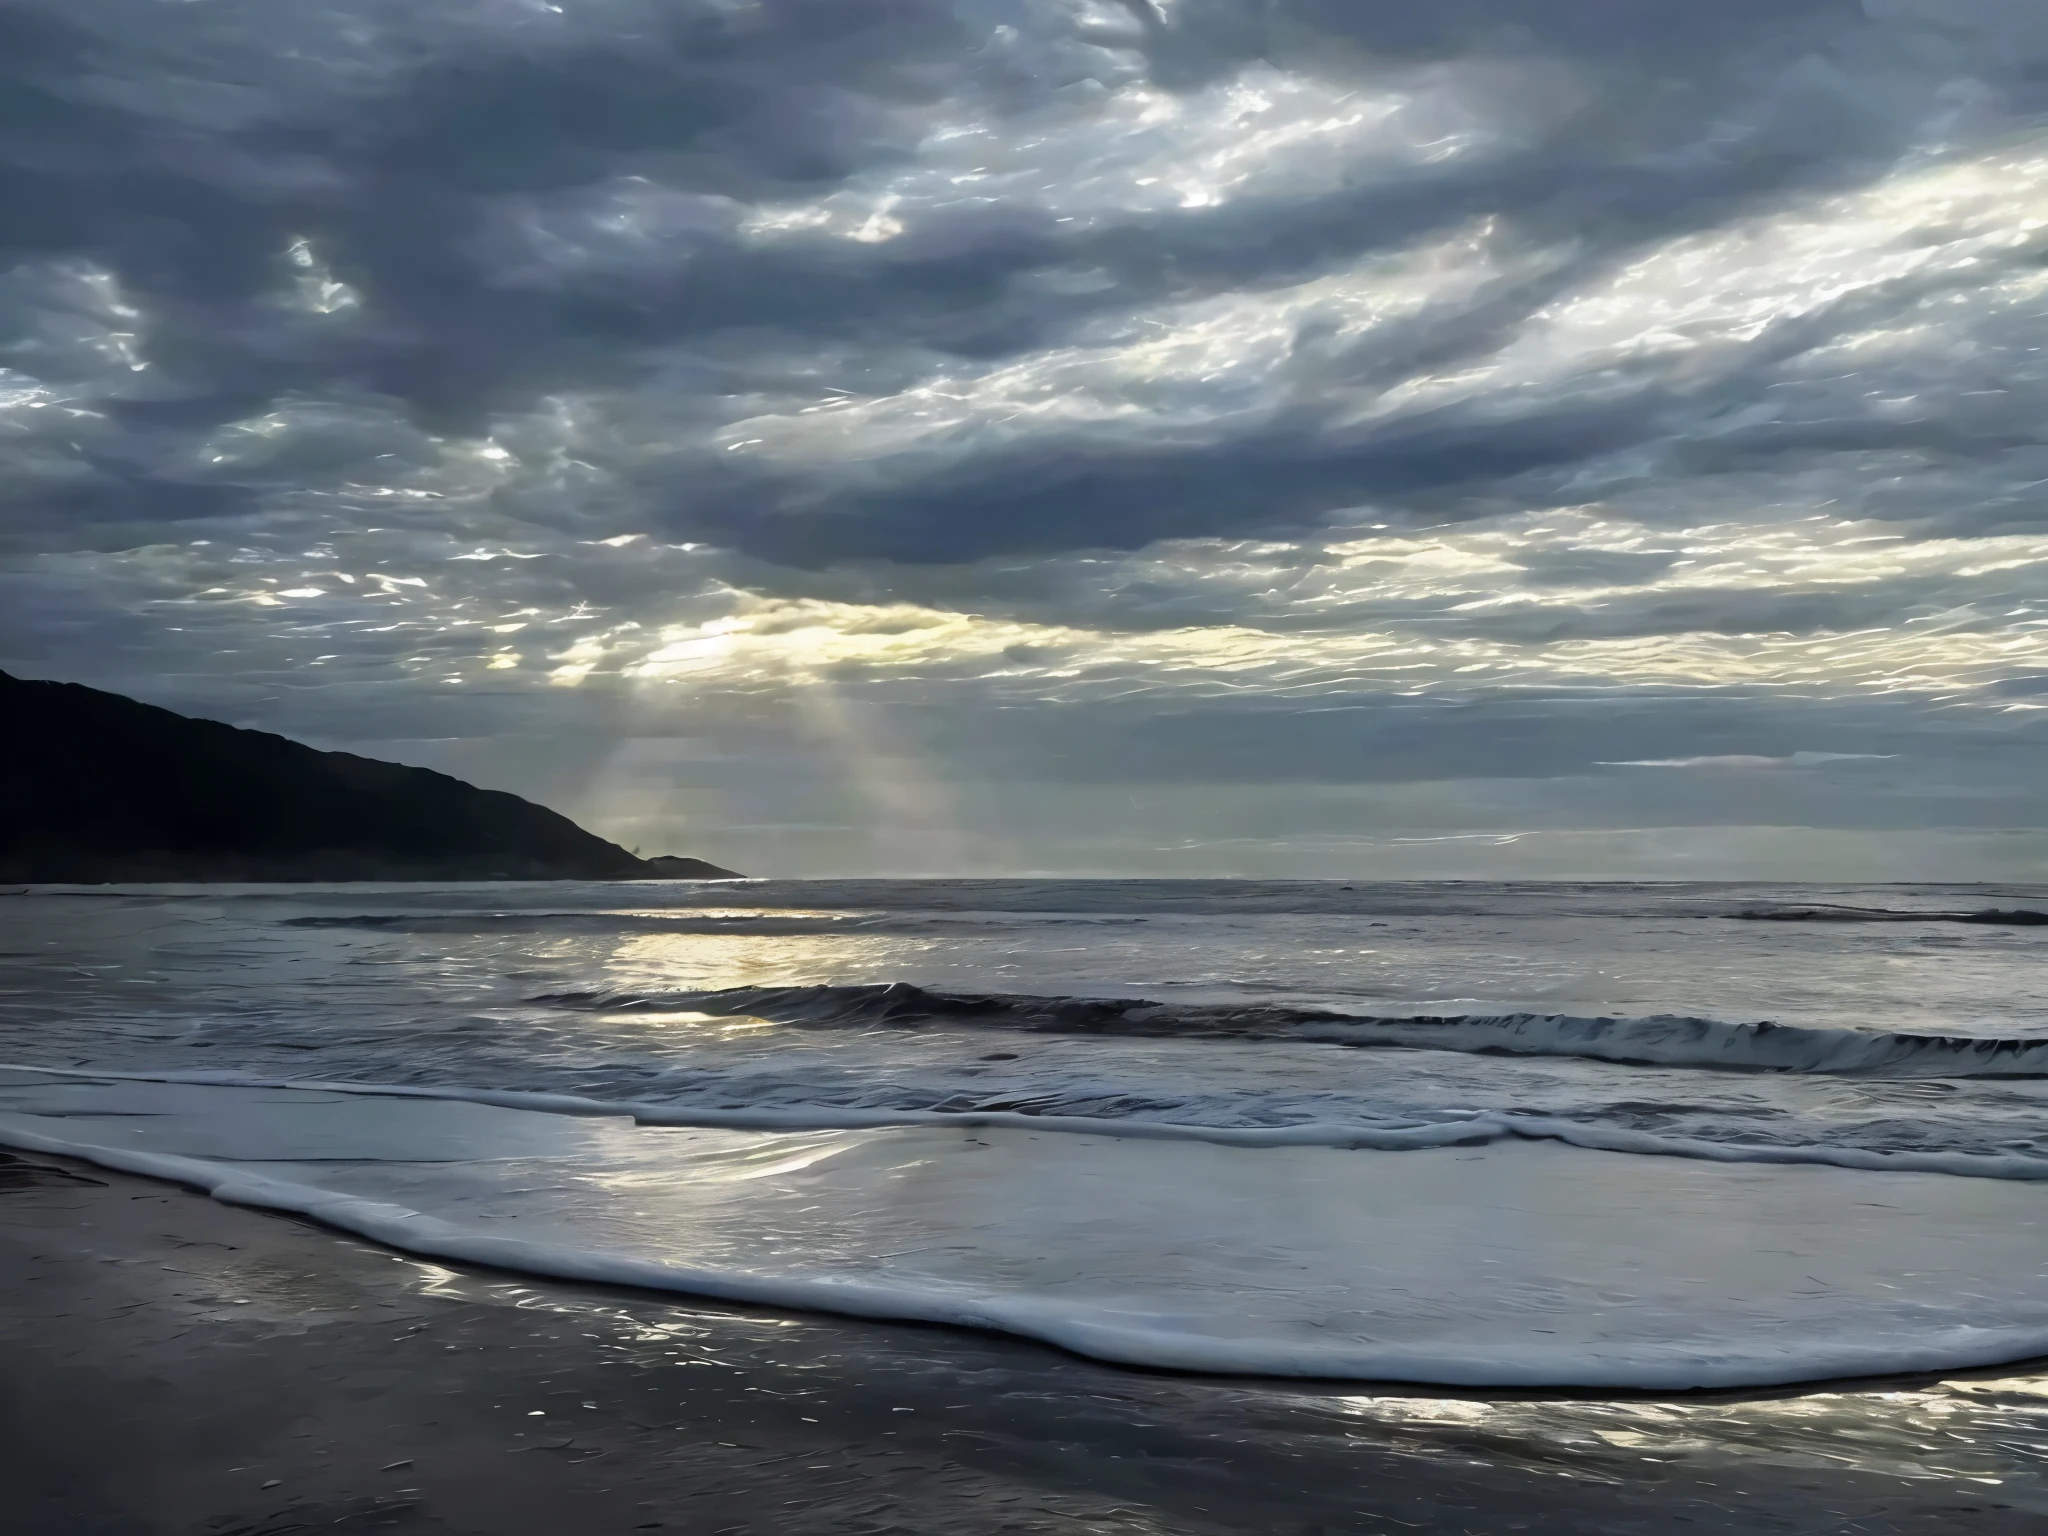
[[337, 340], [1752, 760], [1538, 738], [526, 205]]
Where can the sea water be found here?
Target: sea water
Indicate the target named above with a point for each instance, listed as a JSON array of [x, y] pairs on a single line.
[[1576, 1137]]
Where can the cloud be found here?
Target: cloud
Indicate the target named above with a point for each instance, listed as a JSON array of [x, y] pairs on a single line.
[[1751, 760], [1243, 392]]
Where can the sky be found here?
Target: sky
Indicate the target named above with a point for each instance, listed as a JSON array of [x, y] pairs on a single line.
[[1336, 438]]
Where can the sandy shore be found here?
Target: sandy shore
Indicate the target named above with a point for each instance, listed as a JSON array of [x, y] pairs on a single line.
[[172, 1365]]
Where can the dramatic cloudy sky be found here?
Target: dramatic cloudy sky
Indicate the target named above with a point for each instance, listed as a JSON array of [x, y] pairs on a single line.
[[1339, 437]]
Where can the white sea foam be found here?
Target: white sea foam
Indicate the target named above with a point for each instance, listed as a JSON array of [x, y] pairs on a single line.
[[1355, 1134], [1538, 1265]]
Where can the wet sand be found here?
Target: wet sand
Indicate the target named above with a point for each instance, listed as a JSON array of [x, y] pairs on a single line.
[[172, 1365]]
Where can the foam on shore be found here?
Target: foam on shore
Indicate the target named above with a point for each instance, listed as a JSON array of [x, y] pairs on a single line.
[[1539, 1265], [1474, 1130]]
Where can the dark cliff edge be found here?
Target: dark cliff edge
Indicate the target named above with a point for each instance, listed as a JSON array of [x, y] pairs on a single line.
[[95, 788]]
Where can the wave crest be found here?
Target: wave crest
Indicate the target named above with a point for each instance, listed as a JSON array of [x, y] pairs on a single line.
[[1661, 1040]]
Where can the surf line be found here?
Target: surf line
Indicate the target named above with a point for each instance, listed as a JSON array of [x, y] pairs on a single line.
[[1479, 1130], [1541, 1366]]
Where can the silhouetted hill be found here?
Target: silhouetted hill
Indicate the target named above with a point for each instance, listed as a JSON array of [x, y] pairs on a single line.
[[97, 787]]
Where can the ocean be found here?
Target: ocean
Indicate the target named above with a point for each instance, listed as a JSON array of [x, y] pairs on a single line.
[[1601, 1140]]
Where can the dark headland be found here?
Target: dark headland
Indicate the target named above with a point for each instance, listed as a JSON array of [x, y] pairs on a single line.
[[95, 787]]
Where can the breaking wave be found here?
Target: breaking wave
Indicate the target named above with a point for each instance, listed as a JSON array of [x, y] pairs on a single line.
[[1989, 917], [1659, 1040], [1354, 1133]]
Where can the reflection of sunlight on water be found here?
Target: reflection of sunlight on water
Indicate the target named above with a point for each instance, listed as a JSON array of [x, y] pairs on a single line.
[[736, 1159], [1988, 1432], [1979, 1431], [719, 1026], [689, 961], [433, 1279]]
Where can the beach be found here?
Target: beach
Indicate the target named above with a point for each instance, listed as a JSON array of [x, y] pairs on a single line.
[[179, 1365], [1024, 1206]]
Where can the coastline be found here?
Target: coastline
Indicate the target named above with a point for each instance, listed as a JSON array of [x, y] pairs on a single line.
[[179, 1365]]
